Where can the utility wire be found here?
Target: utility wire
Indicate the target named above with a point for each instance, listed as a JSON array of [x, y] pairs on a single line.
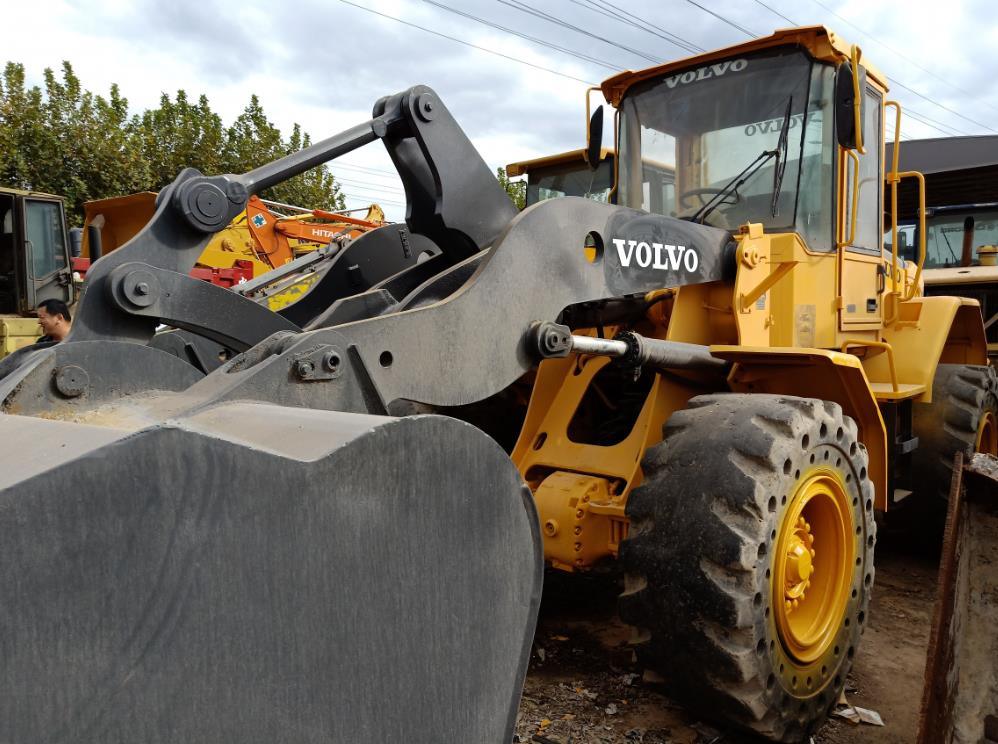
[[622, 16], [526, 37], [361, 172], [776, 12], [524, 8], [908, 59], [896, 82], [722, 18], [468, 43]]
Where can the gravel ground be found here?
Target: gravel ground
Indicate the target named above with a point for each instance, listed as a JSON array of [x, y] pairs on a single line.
[[582, 687]]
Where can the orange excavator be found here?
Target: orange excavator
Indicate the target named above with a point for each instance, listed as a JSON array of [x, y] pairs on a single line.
[[265, 236], [280, 238]]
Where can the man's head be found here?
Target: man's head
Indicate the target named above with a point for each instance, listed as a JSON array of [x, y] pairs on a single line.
[[54, 319]]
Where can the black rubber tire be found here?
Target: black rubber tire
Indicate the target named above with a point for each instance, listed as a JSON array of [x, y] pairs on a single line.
[[961, 395], [701, 545]]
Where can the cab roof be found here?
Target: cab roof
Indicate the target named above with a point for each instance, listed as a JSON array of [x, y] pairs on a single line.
[[22, 192], [523, 167], [820, 42]]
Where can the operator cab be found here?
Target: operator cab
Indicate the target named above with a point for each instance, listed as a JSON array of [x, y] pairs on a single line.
[[566, 174], [750, 138]]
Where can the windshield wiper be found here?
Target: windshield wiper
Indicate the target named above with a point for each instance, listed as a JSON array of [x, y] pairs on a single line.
[[732, 186], [950, 246], [781, 158]]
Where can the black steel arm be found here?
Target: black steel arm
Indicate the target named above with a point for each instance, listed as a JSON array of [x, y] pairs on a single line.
[[453, 200]]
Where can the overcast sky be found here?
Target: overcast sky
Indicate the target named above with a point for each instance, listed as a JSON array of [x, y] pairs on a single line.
[[323, 63]]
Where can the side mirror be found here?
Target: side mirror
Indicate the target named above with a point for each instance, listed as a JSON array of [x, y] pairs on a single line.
[[849, 107], [594, 139]]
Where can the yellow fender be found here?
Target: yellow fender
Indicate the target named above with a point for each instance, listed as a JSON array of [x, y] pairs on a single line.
[[930, 331], [816, 373]]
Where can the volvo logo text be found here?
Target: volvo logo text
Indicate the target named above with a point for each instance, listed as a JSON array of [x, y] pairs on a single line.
[[656, 255]]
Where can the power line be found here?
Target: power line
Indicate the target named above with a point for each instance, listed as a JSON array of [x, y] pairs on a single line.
[[354, 166], [467, 43], [622, 16], [370, 186], [368, 200], [897, 82], [524, 8], [919, 116], [526, 37], [899, 54], [351, 173], [722, 18], [772, 10]]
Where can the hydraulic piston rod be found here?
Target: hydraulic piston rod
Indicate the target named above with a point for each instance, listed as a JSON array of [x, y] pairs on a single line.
[[554, 340]]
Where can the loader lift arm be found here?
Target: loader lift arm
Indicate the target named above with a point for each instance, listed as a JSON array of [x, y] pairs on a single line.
[[289, 422]]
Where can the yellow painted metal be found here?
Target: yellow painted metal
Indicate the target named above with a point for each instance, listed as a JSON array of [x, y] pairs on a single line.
[[859, 281], [293, 292], [787, 322], [892, 368], [893, 178], [562, 472], [857, 109], [822, 374], [928, 331], [582, 520], [852, 156], [987, 435], [813, 567], [569, 157], [16, 333], [921, 230], [820, 43]]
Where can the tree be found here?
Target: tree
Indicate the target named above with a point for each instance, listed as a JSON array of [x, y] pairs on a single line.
[[63, 139], [517, 190], [178, 135], [67, 140], [253, 140]]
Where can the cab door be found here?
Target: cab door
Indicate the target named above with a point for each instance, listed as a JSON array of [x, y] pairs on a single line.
[[861, 271], [46, 252]]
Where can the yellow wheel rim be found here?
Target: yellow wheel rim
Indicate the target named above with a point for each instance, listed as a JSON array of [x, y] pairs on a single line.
[[987, 435], [813, 566]]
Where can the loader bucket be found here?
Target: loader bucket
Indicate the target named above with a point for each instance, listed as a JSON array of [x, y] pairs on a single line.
[[253, 573], [960, 696]]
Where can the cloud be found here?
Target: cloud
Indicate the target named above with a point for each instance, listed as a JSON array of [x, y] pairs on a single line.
[[325, 63]]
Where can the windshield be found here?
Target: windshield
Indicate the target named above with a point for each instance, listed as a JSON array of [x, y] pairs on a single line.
[[944, 237], [717, 129], [570, 179]]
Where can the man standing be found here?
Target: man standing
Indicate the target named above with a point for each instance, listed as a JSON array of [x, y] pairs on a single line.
[[54, 320]]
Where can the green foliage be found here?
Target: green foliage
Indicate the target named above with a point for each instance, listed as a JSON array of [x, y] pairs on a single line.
[[517, 190], [63, 139]]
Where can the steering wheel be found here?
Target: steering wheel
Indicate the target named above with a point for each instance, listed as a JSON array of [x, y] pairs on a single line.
[[684, 198]]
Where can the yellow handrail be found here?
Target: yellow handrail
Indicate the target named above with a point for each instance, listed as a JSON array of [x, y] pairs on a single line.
[[616, 160], [857, 100], [892, 179], [921, 230], [877, 345], [855, 199], [585, 154]]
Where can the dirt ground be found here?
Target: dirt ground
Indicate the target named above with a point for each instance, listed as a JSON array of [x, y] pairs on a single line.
[[583, 689]]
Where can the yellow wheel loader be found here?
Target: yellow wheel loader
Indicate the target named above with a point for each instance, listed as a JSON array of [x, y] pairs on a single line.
[[321, 540], [961, 178]]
